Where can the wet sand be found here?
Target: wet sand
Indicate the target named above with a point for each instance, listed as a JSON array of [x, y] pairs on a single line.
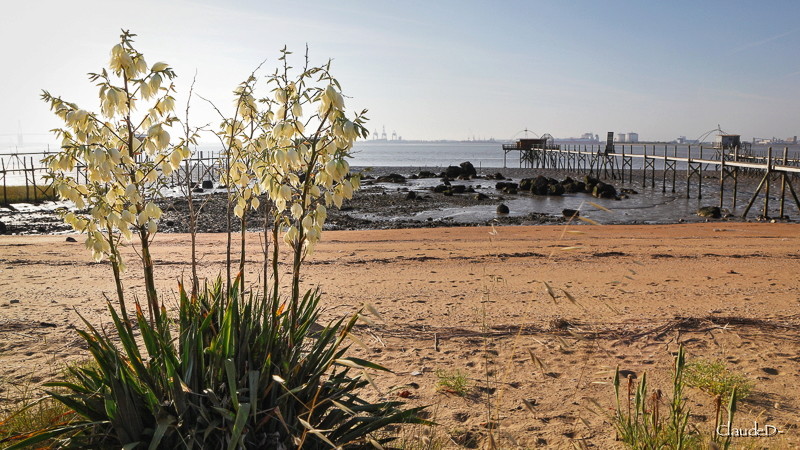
[[474, 299]]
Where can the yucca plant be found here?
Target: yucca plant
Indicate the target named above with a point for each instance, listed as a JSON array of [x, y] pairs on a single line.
[[228, 373]]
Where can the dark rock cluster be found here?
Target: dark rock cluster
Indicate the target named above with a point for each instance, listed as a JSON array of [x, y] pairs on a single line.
[[542, 185]]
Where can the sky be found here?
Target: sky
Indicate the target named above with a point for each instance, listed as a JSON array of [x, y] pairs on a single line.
[[437, 69]]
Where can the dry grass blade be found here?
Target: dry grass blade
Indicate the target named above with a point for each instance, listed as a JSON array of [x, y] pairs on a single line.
[[366, 320], [357, 341], [529, 406], [536, 361], [374, 311], [371, 383], [599, 206], [563, 344], [588, 220], [614, 310], [572, 299], [550, 292], [596, 404], [576, 335], [574, 247]]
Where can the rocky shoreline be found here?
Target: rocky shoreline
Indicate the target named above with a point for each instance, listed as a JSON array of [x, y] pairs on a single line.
[[391, 197]]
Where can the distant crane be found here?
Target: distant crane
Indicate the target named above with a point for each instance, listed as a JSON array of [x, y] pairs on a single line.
[[526, 131]]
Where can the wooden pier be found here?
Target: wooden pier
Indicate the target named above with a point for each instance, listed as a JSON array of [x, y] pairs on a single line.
[[695, 161], [26, 169]]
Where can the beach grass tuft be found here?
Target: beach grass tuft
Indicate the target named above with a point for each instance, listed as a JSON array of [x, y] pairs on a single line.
[[715, 379], [453, 382]]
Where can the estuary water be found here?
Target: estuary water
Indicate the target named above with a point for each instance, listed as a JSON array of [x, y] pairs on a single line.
[[649, 205]]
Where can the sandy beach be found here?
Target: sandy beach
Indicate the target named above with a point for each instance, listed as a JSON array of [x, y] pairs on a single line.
[[474, 299]]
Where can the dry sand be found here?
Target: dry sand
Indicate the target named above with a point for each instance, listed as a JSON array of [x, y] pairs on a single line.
[[474, 300]]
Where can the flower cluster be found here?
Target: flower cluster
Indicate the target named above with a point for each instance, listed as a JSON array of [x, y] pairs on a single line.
[[108, 163], [297, 159]]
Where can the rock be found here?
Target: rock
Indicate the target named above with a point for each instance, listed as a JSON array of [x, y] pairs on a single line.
[[555, 189], [3, 228], [13, 302], [526, 184], [603, 190], [426, 174], [198, 190], [589, 183], [452, 172], [502, 209], [710, 211], [480, 196], [411, 195], [70, 239], [507, 187], [458, 188], [496, 176], [208, 184], [468, 170], [541, 185], [391, 178], [441, 188], [570, 213]]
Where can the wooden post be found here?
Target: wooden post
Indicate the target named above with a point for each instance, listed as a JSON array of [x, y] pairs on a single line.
[[33, 178], [700, 176], [688, 170], [755, 195], [721, 181], [25, 172], [674, 167], [735, 176], [5, 194], [644, 166], [653, 169], [783, 181], [794, 194], [766, 192]]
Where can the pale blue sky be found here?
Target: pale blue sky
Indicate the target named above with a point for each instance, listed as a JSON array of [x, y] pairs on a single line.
[[442, 69]]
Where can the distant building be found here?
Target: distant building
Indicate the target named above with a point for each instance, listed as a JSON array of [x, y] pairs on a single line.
[[633, 137], [726, 141], [620, 137]]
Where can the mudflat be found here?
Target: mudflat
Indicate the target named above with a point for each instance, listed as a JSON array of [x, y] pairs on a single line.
[[480, 301]]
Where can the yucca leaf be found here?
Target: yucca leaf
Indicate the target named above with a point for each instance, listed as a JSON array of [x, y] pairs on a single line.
[[238, 426]]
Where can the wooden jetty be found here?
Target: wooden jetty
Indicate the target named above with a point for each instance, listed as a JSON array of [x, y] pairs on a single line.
[[530, 150], [26, 169], [617, 162]]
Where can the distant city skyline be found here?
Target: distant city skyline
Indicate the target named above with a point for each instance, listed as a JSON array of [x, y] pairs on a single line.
[[440, 70]]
